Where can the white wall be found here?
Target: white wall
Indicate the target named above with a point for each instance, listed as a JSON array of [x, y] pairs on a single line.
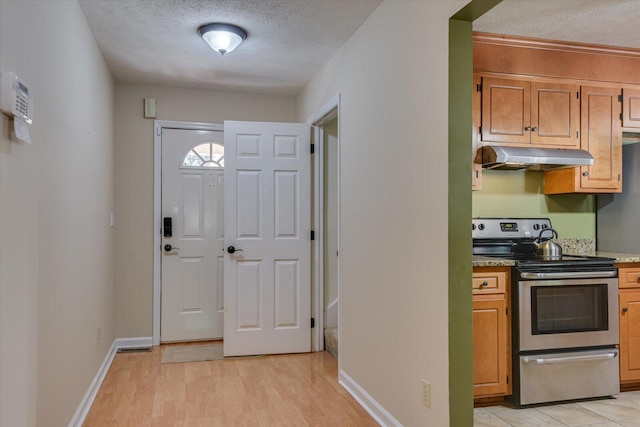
[[56, 250], [392, 76], [134, 180]]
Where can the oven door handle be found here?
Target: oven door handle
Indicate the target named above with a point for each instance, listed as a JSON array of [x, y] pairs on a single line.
[[569, 275], [550, 360]]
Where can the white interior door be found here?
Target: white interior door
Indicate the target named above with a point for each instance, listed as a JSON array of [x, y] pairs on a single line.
[[192, 264], [267, 220]]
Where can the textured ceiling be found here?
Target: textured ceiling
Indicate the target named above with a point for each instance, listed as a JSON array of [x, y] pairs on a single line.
[[605, 22], [155, 41]]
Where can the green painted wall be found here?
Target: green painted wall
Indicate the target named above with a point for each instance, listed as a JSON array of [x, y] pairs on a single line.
[[460, 208], [460, 309], [519, 194]]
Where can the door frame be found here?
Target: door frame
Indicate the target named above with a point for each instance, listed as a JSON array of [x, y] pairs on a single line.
[[158, 125], [329, 111]]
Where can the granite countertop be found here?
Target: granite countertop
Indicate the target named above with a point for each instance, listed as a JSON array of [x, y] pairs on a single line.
[[483, 261], [619, 257], [587, 247], [579, 247]]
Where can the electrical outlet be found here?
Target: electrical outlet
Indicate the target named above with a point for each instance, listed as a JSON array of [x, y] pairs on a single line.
[[99, 335], [426, 393]]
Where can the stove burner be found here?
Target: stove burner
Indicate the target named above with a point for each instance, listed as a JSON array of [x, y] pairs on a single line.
[[494, 241]]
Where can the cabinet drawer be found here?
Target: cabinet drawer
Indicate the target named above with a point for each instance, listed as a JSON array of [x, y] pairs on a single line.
[[490, 282], [629, 277]]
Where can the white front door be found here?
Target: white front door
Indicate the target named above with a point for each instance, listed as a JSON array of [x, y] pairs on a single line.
[[193, 250], [267, 221]]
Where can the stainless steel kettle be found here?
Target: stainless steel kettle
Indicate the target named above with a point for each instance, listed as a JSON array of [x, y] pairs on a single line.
[[546, 248]]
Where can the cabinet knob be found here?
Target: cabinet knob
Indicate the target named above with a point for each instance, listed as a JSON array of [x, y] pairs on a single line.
[[485, 283], [625, 309], [585, 173], [535, 129], [638, 279], [527, 128]]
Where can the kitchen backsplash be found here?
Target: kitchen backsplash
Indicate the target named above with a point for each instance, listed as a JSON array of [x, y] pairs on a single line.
[[519, 194], [577, 246]]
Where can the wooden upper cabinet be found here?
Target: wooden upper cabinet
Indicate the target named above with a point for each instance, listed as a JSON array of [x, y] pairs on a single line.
[[525, 112], [601, 135], [631, 108], [555, 114], [506, 110]]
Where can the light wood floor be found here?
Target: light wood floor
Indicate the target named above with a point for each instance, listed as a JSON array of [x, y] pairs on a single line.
[[285, 390]]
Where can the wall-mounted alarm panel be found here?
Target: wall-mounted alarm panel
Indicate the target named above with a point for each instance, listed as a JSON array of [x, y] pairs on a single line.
[[15, 97]]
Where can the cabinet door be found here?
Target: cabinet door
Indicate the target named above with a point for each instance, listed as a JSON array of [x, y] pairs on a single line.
[[555, 114], [490, 347], [476, 168], [506, 106], [631, 108], [630, 335], [602, 137]]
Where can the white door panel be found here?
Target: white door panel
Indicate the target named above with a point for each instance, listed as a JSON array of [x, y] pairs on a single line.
[[267, 217], [192, 275]]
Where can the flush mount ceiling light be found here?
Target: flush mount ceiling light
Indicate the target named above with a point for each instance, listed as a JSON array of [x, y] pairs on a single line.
[[222, 38]]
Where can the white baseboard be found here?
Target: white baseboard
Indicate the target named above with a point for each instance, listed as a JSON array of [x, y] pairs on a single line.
[[331, 318], [92, 391], [381, 415]]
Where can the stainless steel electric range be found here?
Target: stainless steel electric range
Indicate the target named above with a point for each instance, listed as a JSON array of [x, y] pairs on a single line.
[[565, 315]]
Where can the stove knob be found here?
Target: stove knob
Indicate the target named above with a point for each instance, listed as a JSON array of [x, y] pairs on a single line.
[[480, 227], [544, 226], [473, 227], [536, 227]]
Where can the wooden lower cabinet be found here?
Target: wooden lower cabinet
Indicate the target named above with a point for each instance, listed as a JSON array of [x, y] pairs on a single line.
[[629, 312], [491, 333], [630, 335]]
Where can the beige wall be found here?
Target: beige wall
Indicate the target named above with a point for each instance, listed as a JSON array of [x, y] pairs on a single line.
[[392, 76], [56, 246], [134, 180]]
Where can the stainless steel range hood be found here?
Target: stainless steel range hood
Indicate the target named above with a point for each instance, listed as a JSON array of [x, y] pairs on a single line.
[[536, 159]]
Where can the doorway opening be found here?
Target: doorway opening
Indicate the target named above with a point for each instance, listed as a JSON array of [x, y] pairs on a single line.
[[267, 286], [326, 219]]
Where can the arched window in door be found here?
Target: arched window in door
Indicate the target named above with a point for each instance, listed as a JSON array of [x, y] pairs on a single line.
[[207, 155]]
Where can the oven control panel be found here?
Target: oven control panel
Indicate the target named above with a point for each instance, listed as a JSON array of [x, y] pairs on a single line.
[[509, 228]]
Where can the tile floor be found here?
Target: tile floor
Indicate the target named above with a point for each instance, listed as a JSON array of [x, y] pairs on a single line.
[[624, 410]]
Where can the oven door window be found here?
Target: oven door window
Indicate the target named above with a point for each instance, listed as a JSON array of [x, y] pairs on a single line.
[[564, 309]]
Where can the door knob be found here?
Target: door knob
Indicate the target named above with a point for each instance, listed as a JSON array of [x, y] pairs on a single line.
[[169, 248], [232, 249]]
